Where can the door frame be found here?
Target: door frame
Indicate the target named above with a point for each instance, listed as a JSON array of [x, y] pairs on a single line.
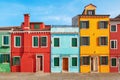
[[93, 65], [118, 65], [62, 63], [42, 61]]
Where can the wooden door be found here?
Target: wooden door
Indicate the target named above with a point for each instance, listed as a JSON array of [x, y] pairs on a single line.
[[39, 63], [94, 64], [65, 64]]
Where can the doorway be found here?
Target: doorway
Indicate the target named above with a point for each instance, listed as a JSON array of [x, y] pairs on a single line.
[[39, 63], [65, 64], [94, 64]]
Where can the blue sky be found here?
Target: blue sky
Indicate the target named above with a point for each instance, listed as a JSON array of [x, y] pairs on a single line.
[[57, 12]]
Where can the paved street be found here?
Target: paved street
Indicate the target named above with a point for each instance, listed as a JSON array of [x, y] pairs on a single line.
[[59, 76]]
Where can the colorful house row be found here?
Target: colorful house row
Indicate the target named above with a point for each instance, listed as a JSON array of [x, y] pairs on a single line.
[[90, 45]]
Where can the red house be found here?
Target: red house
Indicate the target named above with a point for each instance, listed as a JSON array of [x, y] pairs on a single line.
[[30, 47], [115, 44]]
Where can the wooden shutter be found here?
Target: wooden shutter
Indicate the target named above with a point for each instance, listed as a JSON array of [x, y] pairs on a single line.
[[74, 42], [74, 61]]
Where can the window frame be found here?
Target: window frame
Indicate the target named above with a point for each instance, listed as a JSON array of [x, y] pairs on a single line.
[[37, 25], [87, 27], [99, 40], [114, 44], [33, 42], [15, 42], [71, 61], [46, 41], [3, 40], [91, 11], [111, 61], [13, 61], [104, 25], [84, 37], [71, 42], [111, 28], [82, 63], [54, 40], [5, 58], [54, 61], [101, 64]]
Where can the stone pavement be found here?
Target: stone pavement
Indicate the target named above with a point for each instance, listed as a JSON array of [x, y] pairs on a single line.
[[59, 76]]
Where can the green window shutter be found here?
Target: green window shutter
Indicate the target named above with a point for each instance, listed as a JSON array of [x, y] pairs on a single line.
[[0, 58], [80, 24], [17, 41], [6, 40], [74, 42], [35, 39], [113, 60], [56, 61], [87, 24], [105, 24], [100, 60], [56, 42], [36, 26], [99, 24], [43, 41], [74, 61]]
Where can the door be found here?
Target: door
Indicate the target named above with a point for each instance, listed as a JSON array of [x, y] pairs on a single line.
[[94, 64], [39, 63], [119, 65], [65, 64]]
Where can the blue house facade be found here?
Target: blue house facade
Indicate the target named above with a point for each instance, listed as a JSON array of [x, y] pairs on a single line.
[[65, 49]]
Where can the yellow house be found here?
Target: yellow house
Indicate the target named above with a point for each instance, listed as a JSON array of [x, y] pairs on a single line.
[[94, 40]]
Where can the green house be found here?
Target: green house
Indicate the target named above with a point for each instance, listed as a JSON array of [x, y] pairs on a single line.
[[4, 51]]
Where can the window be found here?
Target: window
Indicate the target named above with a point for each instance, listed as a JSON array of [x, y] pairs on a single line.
[[74, 42], [74, 61], [56, 42], [90, 12], [113, 62], [113, 28], [104, 60], [4, 58], [16, 60], [85, 41], [36, 26], [113, 44], [56, 61], [84, 24], [103, 24], [35, 41], [5, 40], [43, 41], [103, 41], [17, 41], [85, 60]]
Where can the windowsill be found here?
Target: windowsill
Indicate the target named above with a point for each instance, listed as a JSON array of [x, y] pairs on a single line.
[[113, 31], [113, 66], [103, 28]]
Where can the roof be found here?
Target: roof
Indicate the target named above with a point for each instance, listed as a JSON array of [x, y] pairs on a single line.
[[90, 4], [117, 18], [94, 15], [10, 28]]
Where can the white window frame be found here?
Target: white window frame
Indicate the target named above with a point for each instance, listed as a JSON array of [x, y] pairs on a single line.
[[111, 61], [3, 40], [33, 42], [71, 42], [59, 42], [46, 42], [111, 28], [114, 45], [15, 41]]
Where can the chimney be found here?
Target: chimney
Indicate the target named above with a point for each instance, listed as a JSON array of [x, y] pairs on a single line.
[[26, 25]]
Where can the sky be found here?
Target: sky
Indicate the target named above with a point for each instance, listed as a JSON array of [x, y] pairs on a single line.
[[51, 12]]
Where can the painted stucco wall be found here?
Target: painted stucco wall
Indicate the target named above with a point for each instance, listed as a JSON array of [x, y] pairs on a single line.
[[4, 67], [65, 49]]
